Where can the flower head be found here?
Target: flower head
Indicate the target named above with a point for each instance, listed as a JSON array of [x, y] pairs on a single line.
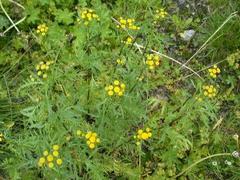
[[127, 24], [128, 41], [42, 68], [143, 135], [117, 88], [160, 13], [210, 91], [88, 15], [51, 158], [213, 72], [120, 61], [92, 139], [42, 29], [153, 60]]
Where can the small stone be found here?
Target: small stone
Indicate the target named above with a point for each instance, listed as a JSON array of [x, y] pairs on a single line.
[[187, 35]]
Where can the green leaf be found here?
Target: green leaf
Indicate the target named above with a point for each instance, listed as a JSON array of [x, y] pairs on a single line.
[[64, 16], [3, 22], [32, 14]]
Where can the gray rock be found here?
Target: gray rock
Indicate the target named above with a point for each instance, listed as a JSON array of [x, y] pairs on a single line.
[[188, 34], [181, 2]]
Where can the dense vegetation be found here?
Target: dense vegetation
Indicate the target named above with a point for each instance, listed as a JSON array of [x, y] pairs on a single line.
[[115, 89]]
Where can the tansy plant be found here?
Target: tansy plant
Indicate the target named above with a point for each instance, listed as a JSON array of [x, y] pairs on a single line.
[[88, 15], [42, 29], [42, 69], [92, 138], [50, 158], [209, 91], [153, 61], [121, 61], [127, 24], [128, 41], [214, 71], [143, 135], [117, 88]]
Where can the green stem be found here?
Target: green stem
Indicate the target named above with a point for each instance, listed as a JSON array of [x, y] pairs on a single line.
[[201, 160], [139, 160]]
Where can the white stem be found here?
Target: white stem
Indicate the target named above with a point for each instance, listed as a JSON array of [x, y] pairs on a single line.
[[205, 44], [138, 46], [5, 12]]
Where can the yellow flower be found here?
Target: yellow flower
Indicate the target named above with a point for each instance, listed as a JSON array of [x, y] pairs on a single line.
[[127, 24], [42, 29], [120, 93], [91, 146], [149, 134], [45, 153], [39, 73], [160, 14], [110, 93], [79, 133], [87, 16], [148, 129], [209, 91], [50, 165], [153, 60], [55, 147], [144, 136], [123, 86], [42, 160], [213, 72], [50, 158], [129, 40], [117, 89], [55, 153], [59, 161], [140, 131], [88, 135], [44, 76], [116, 82], [92, 139]]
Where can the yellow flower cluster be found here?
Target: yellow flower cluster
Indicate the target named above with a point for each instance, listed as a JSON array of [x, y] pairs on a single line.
[[199, 99], [153, 60], [140, 78], [88, 15], [117, 88], [42, 29], [214, 71], [92, 139], [210, 91], [49, 158], [32, 78], [143, 135], [42, 69], [1, 137], [128, 41], [127, 24], [160, 14], [120, 61]]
